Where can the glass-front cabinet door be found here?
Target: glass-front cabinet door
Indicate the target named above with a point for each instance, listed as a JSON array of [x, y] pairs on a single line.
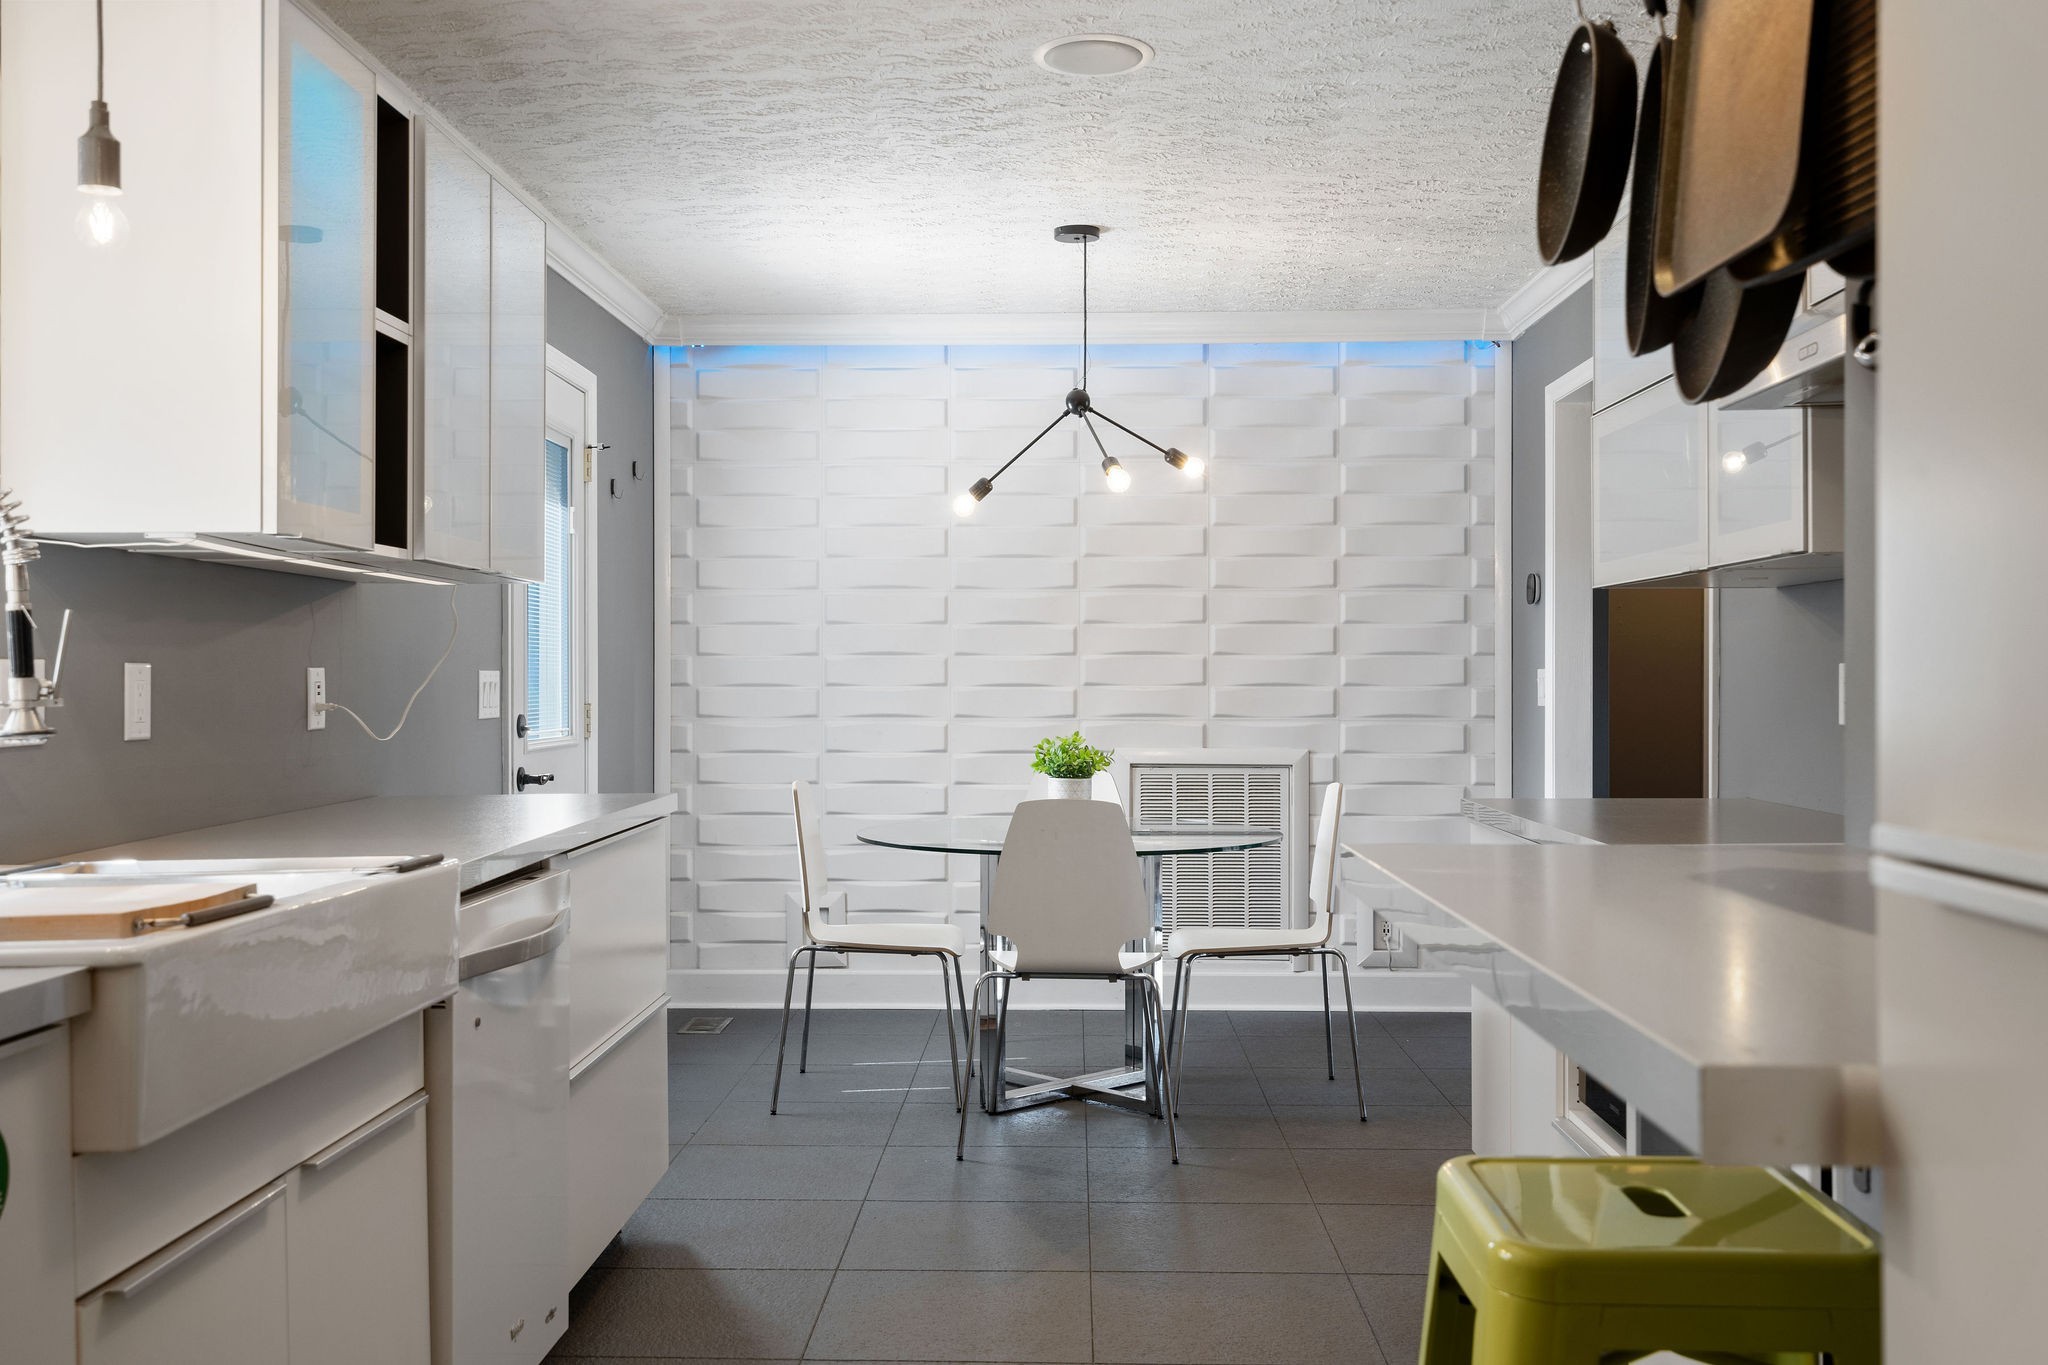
[[1649, 488], [454, 339], [326, 144], [1758, 474]]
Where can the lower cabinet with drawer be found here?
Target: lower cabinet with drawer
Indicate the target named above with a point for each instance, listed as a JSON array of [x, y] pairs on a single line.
[[618, 1132], [322, 1262]]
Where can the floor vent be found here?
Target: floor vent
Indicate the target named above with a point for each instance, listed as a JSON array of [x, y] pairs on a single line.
[[705, 1023]]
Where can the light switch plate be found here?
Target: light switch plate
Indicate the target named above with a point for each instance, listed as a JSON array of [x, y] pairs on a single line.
[[316, 697], [487, 694], [134, 701]]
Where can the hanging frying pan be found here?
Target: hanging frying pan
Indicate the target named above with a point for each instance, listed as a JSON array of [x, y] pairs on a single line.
[[1734, 102], [1833, 211], [1586, 142], [1652, 319], [1732, 334]]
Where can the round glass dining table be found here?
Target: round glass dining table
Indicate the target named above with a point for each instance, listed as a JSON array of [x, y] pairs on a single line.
[[982, 836]]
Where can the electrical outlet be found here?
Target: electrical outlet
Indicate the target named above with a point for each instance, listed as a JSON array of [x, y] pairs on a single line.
[[134, 701], [487, 694], [1388, 937], [316, 697]]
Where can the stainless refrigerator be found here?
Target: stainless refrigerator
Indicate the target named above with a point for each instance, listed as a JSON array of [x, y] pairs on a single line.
[[1962, 679]]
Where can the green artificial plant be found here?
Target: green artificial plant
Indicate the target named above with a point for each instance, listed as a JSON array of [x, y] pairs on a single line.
[[1072, 758]]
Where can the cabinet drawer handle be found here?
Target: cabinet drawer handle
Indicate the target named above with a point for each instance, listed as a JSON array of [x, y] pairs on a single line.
[[340, 1148], [615, 1038], [193, 1242]]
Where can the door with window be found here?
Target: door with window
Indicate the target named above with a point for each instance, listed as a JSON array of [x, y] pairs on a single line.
[[553, 635]]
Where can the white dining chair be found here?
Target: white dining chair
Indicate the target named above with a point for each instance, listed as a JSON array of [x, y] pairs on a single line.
[[945, 941], [1189, 946], [1067, 898]]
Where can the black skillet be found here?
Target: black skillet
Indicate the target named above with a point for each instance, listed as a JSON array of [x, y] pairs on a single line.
[[1733, 333], [1586, 142], [1652, 319]]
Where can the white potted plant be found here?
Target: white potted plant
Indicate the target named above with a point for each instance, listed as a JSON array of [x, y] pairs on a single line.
[[1070, 764]]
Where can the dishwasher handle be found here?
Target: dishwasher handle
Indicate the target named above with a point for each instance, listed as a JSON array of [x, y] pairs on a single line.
[[550, 934]]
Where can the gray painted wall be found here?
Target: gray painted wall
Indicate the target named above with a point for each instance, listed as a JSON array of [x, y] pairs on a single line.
[[228, 650], [1779, 652], [624, 365], [1560, 340]]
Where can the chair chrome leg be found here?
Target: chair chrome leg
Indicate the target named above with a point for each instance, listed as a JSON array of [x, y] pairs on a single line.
[[803, 1056], [974, 1009], [1167, 1098], [1357, 1076], [952, 1045], [1329, 1041], [782, 1043], [1180, 1059], [966, 1031]]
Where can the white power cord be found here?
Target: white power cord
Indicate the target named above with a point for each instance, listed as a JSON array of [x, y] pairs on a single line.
[[454, 628]]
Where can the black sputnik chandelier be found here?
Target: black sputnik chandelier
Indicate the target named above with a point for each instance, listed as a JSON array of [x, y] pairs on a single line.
[[1081, 406]]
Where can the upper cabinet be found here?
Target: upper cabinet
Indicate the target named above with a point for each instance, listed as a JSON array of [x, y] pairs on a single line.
[[1649, 488], [322, 340], [1616, 373]]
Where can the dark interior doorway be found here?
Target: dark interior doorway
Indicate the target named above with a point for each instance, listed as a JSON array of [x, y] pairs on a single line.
[[1650, 692]]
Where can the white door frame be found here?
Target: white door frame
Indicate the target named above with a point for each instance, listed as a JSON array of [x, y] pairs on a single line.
[[580, 377], [1567, 696], [1505, 589]]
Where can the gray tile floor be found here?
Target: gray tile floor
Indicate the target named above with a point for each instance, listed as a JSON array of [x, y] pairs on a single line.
[[843, 1229]]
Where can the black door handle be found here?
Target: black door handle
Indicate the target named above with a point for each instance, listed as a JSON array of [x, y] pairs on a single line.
[[525, 779]]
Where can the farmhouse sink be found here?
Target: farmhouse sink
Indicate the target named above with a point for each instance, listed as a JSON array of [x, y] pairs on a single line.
[[185, 1020]]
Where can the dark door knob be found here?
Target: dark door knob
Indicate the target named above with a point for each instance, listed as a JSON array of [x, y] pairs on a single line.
[[525, 779], [519, 725]]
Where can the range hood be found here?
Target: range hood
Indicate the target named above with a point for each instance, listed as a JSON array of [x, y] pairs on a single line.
[[1806, 372]]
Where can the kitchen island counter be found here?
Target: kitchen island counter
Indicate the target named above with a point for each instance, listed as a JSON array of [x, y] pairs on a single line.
[[491, 836], [37, 997], [1728, 990], [1654, 820]]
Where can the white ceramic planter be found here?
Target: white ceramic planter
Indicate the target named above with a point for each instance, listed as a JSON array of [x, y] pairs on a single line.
[[1071, 788]]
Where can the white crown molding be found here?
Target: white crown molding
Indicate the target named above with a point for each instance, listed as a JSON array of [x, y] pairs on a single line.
[[970, 329], [567, 253], [1546, 289]]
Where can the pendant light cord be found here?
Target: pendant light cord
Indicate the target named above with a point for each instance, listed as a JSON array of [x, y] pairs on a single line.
[[99, 24], [1084, 313]]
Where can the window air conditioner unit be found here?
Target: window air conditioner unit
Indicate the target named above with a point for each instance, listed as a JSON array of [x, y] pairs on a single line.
[[1230, 789]]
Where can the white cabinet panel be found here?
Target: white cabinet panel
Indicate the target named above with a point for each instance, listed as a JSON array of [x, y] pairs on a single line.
[[1616, 373], [1649, 488], [1757, 472], [519, 360], [618, 1134], [356, 1236], [35, 1233], [326, 193], [216, 1296], [618, 931], [454, 338]]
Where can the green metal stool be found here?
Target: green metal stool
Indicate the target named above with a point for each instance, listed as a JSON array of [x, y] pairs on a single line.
[[1558, 1262]]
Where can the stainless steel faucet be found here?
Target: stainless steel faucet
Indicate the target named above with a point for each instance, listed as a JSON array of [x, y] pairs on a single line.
[[22, 719]]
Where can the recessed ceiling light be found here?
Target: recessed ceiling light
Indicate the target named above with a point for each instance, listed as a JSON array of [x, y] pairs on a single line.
[[1093, 54]]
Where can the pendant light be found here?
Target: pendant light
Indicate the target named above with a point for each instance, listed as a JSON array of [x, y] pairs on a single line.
[[100, 222], [1080, 405]]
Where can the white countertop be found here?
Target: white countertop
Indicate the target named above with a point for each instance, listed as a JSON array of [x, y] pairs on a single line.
[[1727, 989], [36, 997], [1655, 820], [491, 836]]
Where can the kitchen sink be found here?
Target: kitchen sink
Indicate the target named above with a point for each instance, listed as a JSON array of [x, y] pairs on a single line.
[[185, 1020]]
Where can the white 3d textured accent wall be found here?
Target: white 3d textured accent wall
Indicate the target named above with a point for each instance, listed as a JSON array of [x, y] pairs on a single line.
[[1328, 585]]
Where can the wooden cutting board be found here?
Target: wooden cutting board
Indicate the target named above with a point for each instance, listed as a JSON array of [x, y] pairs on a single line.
[[111, 911]]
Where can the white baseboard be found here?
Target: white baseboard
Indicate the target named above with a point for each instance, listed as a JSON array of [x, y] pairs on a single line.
[[1214, 989]]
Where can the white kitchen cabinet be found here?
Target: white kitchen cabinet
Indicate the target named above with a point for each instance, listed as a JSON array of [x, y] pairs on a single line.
[[618, 1132], [618, 891], [1775, 479], [1649, 488], [1616, 373], [454, 340], [211, 373], [356, 1244], [35, 1228], [216, 1296], [519, 373]]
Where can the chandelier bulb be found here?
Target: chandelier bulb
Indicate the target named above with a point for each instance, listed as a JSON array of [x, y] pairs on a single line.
[[1119, 477], [963, 506], [1190, 465]]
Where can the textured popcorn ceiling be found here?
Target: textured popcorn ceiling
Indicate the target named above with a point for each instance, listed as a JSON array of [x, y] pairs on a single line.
[[868, 156]]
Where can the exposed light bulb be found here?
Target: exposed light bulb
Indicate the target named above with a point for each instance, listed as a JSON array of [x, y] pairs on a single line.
[[1119, 477], [1190, 465], [100, 221], [1734, 462], [963, 506]]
